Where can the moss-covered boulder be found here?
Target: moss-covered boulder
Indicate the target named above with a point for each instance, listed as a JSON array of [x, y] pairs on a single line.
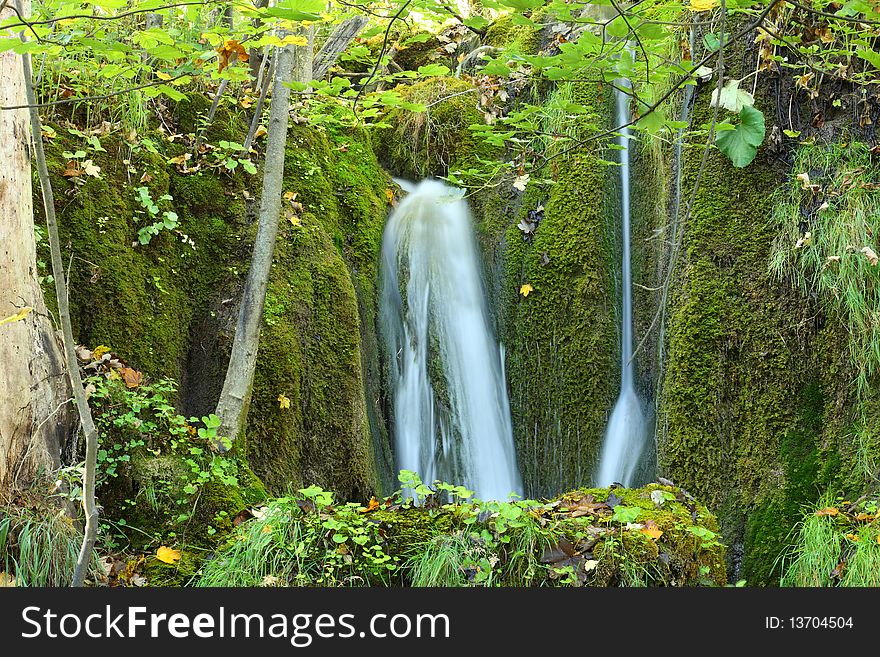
[[652, 536], [436, 140]]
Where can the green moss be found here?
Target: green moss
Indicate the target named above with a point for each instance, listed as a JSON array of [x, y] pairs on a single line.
[[318, 345], [561, 339], [180, 573], [524, 39], [437, 140]]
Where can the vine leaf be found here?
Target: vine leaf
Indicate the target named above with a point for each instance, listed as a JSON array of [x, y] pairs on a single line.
[[741, 143]]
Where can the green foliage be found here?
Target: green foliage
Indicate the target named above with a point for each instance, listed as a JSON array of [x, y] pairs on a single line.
[[169, 218], [837, 545], [741, 143], [443, 537]]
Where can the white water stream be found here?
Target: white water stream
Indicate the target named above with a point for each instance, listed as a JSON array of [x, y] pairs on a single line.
[[627, 429], [451, 412]]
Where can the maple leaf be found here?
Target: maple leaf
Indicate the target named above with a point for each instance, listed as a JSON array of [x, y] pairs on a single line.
[[167, 555], [521, 182], [99, 351], [372, 505], [17, 317], [526, 289], [389, 196], [229, 52], [283, 402]]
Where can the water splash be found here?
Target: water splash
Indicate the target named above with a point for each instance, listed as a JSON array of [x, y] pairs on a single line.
[[451, 412], [627, 428]]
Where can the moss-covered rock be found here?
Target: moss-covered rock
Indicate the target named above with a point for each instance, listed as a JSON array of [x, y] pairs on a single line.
[[437, 140], [652, 536], [514, 35]]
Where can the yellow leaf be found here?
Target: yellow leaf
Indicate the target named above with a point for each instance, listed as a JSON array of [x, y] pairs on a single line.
[[878, 538], [261, 132], [99, 351], [7, 581], [162, 75], [294, 40], [167, 555], [372, 506], [703, 5], [652, 532], [17, 317], [283, 401], [267, 529], [526, 289]]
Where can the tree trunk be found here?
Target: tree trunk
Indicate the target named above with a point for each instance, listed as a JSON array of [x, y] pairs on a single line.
[[35, 416], [232, 407]]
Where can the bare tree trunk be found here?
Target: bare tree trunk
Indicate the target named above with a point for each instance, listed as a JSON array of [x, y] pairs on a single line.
[[90, 507], [336, 43], [232, 407], [35, 417]]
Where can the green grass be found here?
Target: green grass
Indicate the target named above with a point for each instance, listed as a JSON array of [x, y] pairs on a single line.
[[816, 554], [443, 561], [830, 263], [38, 548]]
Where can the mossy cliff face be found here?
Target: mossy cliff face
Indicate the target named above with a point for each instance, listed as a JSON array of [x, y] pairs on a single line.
[[754, 407], [168, 308], [561, 339], [318, 346]]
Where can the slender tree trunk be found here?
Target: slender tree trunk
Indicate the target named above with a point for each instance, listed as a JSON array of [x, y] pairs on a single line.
[[35, 417], [232, 408], [79, 393]]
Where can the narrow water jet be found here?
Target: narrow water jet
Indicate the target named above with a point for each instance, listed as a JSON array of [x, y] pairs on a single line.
[[627, 429], [451, 415]]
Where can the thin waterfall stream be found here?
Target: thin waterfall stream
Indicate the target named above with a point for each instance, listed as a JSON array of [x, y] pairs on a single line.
[[451, 415], [627, 429]]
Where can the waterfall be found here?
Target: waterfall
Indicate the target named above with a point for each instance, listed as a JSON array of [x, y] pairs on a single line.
[[626, 432], [451, 413]]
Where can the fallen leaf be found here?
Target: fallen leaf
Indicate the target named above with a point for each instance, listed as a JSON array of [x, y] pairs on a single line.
[[651, 530], [167, 555], [261, 132], [521, 182], [870, 254], [269, 580], [283, 402], [372, 505], [17, 317], [389, 196], [6, 580], [73, 170], [828, 511], [864, 517], [131, 377], [526, 289]]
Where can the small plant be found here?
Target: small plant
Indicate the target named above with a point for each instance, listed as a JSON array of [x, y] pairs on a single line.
[[169, 218], [230, 155]]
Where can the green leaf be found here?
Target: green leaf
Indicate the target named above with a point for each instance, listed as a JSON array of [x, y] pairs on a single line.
[[433, 70], [624, 514], [869, 56], [617, 28], [741, 143]]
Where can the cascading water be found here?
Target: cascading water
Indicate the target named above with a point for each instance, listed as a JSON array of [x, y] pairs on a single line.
[[627, 429], [451, 413]]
